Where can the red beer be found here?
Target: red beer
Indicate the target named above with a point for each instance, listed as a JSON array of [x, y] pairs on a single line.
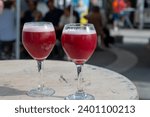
[[79, 47], [39, 42]]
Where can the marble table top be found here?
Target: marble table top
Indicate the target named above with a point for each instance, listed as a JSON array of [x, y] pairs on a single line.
[[19, 76]]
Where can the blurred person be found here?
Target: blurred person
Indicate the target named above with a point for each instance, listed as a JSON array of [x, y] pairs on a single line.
[[13, 3], [42, 6], [95, 18], [75, 13], [37, 16], [66, 18], [28, 15], [127, 14], [118, 7], [24, 6], [1, 6], [108, 39], [7, 30], [53, 15], [146, 5]]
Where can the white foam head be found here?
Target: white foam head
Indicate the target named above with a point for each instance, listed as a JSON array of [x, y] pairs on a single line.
[[77, 32], [77, 28], [38, 28]]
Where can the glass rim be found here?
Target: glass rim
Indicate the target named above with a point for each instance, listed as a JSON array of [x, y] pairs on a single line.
[[38, 23], [38, 26], [79, 25]]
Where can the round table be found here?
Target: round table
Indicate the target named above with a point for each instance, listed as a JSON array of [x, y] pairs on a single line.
[[19, 76]]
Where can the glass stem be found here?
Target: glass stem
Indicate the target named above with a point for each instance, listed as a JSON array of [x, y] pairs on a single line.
[[79, 77], [40, 71]]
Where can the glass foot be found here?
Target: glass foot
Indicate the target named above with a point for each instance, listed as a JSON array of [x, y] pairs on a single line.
[[80, 96], [44, 92]]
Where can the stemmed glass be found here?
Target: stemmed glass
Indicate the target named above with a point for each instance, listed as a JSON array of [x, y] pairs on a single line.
[[39, 39], [79, 42]]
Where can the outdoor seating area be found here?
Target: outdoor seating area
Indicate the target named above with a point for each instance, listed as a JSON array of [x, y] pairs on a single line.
[[74, 49]]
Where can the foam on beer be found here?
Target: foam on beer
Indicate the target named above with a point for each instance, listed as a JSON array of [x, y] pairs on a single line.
[[43, 28], [79, 32]]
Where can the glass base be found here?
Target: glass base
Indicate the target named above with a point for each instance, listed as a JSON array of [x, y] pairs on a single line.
[[80, 96], [38, 92]]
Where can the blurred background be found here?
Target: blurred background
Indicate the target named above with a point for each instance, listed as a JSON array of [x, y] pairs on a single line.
[[123, 29]]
